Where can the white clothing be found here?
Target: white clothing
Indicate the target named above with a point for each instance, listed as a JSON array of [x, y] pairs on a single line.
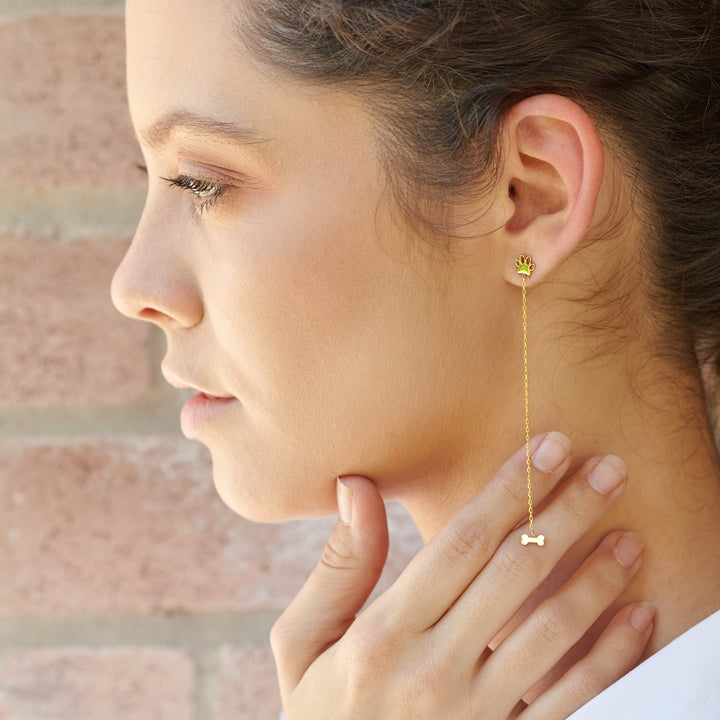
[[680, 682]]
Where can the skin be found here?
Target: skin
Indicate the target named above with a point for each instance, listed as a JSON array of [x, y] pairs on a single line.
[[353, 346], [312, 229]]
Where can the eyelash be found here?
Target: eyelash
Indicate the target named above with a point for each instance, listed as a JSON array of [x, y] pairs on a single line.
[[207, 193]]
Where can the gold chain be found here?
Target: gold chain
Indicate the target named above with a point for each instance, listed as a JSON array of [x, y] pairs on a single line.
[[525, 267], [527, 409]]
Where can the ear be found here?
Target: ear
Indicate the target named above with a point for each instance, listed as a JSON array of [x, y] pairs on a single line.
[[552, 171]]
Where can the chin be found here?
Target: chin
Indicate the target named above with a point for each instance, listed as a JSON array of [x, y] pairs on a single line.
[[270, 497]]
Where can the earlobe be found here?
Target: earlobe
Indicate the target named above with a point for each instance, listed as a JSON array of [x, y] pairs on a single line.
[[553, 169]]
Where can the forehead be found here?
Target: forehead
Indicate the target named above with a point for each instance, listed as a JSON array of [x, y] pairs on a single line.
[[184, 54], [187, 57]]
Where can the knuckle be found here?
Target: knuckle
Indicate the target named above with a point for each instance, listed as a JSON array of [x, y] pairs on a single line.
[[427, 671], [472, 540], [366, 652], [607, 579], [337, 556], [587, 682], [516, 492], [373, 627], [428, 678], [520, 568], [555, 619], [575, 507], [617, 648]]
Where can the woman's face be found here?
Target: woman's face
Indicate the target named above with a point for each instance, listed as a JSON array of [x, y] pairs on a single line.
[[270, 254]]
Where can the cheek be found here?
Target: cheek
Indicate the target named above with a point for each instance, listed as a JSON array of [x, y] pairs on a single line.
[[296, 288], [266, 481], [286, 309], [327, 331]]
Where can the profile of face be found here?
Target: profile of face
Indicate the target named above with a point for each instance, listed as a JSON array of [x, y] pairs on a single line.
[[324, 336]]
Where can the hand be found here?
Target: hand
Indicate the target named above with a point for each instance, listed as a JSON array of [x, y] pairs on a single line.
[[421, 649]]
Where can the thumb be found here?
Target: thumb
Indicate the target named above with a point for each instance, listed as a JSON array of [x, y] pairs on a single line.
[[350, 566]]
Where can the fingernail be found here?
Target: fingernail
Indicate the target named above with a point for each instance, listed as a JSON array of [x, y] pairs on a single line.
[[628, 548], [642, 616], [345, 502], [551, 453], [607, 474]]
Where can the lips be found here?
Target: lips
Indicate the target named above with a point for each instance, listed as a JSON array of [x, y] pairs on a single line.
[[201, 409]]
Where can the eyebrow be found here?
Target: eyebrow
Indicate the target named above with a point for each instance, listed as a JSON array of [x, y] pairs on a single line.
[[159, 132]]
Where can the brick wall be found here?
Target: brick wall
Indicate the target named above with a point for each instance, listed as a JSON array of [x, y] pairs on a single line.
[[127, 590]]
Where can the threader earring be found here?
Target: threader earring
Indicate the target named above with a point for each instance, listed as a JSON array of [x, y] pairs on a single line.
[[525, 267]]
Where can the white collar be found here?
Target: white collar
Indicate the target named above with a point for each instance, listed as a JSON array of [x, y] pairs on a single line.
[[679, 682]]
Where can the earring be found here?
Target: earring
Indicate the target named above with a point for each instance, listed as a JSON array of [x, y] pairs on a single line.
[[525, 267]]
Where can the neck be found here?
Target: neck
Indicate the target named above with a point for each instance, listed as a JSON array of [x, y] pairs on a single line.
[[662, 433]]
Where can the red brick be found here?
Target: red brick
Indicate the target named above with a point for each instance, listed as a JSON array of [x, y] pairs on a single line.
[[248, 685], [63, 112], [68, 684], [135, 525], [60, 337]]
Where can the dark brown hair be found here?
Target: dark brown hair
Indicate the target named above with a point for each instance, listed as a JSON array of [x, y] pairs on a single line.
[[442, 75]]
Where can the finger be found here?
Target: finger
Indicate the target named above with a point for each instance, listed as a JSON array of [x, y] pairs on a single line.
[[541, 640], [517, 711], [442, 570], [336, 590], [516, 570], [615, 653]]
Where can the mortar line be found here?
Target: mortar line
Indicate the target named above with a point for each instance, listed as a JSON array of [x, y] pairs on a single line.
[[196, 632], [12, 11], [67, 214], [156, 412], [207, 683]]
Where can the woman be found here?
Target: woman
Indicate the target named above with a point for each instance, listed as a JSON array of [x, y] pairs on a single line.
[[338, 195]]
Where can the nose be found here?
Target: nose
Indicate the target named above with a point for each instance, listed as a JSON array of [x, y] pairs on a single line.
[[155, 282]]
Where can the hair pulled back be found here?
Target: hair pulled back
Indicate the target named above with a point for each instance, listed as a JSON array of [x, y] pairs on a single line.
[[443, 74]]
